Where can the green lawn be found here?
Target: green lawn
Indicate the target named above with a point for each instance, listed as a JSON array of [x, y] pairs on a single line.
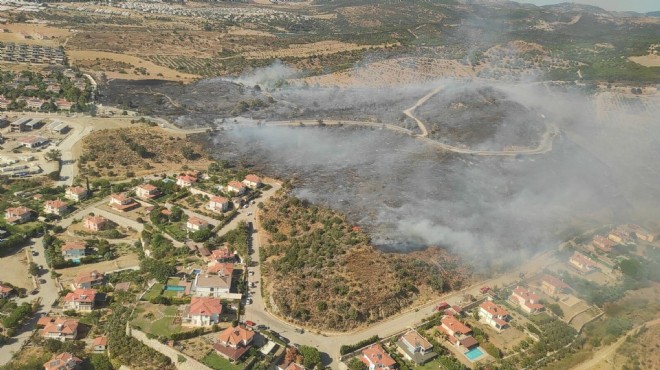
[[161, 327], [153, 292], [214, 361], [431, 365]]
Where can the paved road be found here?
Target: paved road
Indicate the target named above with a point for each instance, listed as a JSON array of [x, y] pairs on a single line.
[[48, 294], [69, 166], [609, 350], [329, 343]]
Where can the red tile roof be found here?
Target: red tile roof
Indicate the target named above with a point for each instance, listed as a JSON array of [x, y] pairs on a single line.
[[493, 309], [377, 356], [454, 325], [205, 306], [235, 336], [81, 295]]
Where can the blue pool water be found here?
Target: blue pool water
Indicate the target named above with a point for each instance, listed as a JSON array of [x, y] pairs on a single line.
[[175, 288], [474, 353], [196, 272], [75, 260]]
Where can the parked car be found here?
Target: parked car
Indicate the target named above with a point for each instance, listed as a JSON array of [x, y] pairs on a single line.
[[35, 253], [251, 273], [42, 281], [34, 291], [262, 327], [250, 323]]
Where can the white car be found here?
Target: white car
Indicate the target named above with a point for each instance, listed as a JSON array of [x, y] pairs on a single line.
[[249, 213]]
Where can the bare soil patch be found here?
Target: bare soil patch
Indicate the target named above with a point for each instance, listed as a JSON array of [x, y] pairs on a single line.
[[15, 270], [651, 60]]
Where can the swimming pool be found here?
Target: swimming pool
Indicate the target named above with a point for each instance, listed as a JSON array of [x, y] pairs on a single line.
[[474, 353], [175, 288]]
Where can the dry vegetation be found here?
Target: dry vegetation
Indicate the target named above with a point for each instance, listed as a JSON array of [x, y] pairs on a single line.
[[136, 151], [322, 272]]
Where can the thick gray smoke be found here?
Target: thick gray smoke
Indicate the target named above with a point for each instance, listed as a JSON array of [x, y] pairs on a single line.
[[411, 195], [269, 76]]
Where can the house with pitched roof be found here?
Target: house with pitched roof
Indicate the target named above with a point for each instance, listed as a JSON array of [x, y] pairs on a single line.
[[80, 300], [147, 191], [196, 224], [76, 193], [218, 204], [5, 291], [458, 334], [527, 300], [96, 223], [236, 187], [185, 181], [55, 207], [59, 328], [252, 181], [100, 344], [74, 250], [18, 215], [206, 285], [88, 279], [582, 263], [221, 255], [233, 342], [415, 348], [553, 286], [63, 361], [202, 311], [122, 202], [494, 315], [375, 357]]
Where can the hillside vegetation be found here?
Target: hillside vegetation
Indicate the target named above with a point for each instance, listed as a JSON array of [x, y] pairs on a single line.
[[322, 272]]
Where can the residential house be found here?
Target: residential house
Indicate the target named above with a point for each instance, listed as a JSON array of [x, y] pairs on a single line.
[[76, 193], [147, 191], [221, 255], [5, 291], [220, 268], [60, 328], [375, 357], [218, 204], [63, 104], [236, 187], [553, 286], [233, 342], [415, 348], [185, 181], [63, 361], [526, 299], [206, 285], [494, 315], [4, 102], [202, 311], [603, 243], [121, 202], [619, 236], [33, 142], [582, 263], [252, 181], [55, 207], [96, 223], [290, 366], [74, 250], [196, 224], [458, 334], [34, 103], [80, 300], [100, 344], [641, 233], [18, 215], [88, 279]]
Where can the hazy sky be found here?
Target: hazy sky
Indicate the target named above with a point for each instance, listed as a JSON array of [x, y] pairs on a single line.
[[641, 6]]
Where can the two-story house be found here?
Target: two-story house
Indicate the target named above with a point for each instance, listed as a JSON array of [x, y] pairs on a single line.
[[211, 285], [60, 328], [415, 348], [55, 207], [88, 279], [252, 181], [63, 361], [80, 300], [527, 300], [76, 193], [218, 204], [18, 215], [196, 224], [236, 187], [96, 223], [233, 342], [375, 357], [494, 315], [202, 311], [122, 202], [147, 191]]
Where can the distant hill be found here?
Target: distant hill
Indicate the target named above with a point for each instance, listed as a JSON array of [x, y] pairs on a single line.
[[653, 14]]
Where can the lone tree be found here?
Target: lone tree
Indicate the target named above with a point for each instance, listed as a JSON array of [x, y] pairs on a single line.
[[33, 269], [53, 155]]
